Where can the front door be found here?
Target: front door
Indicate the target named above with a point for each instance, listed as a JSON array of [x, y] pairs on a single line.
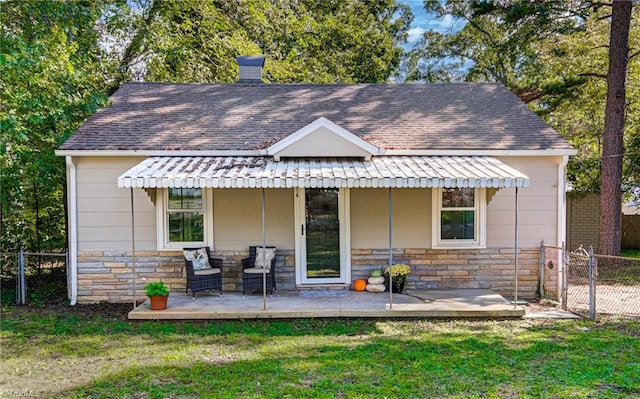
[[321, 239]]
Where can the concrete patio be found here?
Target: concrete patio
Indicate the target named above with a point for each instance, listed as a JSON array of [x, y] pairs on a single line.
[[475, 303]]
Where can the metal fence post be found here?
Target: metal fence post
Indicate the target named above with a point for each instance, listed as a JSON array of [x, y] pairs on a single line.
[[21, 291], [565, 281], [592, 284], [541, 272]]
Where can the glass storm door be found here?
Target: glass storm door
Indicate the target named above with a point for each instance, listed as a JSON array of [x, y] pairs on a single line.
[[320, 244]]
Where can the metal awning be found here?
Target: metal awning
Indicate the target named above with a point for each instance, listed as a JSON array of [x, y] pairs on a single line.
[[380, 172]]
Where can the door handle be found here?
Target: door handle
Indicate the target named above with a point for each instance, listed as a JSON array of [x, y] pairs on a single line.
[[302, 229]]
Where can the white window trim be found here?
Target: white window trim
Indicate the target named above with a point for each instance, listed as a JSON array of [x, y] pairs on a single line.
[[480, 222], [162, 238]]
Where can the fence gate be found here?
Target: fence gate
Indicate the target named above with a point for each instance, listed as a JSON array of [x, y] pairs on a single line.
[[579, 284], [30, 277], [601, 285]]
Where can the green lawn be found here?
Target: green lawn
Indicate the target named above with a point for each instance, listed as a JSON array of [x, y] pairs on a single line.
[[89, 352], [631, 253]]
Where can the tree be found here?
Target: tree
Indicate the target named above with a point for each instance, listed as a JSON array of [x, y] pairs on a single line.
[[50, 80], [610, 230], [553, 56], [303, 41]]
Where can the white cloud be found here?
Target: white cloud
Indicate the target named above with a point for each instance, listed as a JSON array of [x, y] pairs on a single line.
[[415, 34]]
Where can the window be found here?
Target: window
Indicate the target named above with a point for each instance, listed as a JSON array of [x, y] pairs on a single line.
[[183, 218], [458, 215]]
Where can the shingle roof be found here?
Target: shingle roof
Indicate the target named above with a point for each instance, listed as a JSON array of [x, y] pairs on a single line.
[[460, 116]]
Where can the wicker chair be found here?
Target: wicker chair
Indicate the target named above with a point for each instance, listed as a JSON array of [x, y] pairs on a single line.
[[207, 279], [252, 276]]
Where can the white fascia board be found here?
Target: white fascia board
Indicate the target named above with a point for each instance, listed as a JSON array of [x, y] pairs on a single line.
[[317, 124], [551, 152], [161, 153], [249, 153]]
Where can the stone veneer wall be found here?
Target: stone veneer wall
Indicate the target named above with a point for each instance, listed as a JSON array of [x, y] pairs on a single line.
[[490, 268], [107, 276]]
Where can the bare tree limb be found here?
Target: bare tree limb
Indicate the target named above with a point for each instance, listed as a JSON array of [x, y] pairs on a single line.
[[607, 16], [593, 75]]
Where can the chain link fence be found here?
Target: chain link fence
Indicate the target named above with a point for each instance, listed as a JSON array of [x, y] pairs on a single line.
[[33, 278], [599, 285], [577, 292], [617, 286]]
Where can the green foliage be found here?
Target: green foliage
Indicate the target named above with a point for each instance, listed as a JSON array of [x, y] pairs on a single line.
[[50, 81], [303, 41], [156, 288]]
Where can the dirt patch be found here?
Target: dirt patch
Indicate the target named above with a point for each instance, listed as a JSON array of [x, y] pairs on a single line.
[[617, 299], [113, 311]]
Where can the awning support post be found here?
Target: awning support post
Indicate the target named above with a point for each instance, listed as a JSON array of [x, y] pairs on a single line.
[[133, 249], [264, 244], [515, 295], [390, 251]]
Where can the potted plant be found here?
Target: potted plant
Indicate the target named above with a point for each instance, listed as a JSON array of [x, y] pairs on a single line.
[[399, 274], [158, 294]]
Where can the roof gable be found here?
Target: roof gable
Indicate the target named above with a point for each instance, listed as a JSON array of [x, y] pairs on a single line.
[[322, 138]]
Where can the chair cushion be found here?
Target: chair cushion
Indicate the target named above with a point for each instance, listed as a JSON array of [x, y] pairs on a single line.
[[264, 256], [198, 257], [206, 272], [256, 270]]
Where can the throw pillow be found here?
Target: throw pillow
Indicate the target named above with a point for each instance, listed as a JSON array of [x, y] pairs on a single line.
[[198, 258], [264, 256]]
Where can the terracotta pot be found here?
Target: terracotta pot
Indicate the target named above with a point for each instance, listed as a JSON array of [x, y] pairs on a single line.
[[158, 302]]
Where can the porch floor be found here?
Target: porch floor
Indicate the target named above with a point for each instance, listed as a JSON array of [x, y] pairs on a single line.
[[333, 303]]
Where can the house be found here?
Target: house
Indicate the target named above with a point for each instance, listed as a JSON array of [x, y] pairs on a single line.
[[434, 171]]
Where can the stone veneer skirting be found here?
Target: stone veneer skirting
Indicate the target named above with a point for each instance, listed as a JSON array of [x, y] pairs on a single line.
[[491, 268], [108, 276]]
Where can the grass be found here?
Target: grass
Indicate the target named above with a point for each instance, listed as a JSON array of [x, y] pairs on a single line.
[[631, 253], [83, 352]]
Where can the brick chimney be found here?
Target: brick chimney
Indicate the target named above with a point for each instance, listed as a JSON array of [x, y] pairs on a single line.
[[250, 69]]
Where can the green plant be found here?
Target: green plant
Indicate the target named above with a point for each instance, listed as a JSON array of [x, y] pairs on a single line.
[[398, 270], [157, 288]]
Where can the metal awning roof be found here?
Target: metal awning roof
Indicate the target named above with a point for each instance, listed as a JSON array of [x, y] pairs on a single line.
[[264, 172]]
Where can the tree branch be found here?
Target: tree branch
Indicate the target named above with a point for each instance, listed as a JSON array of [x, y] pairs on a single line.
[[593, 75], [597, 4]]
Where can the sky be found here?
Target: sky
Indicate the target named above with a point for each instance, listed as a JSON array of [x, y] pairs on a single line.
[[423, 22]]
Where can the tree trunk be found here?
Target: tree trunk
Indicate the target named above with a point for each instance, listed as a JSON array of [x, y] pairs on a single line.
[[610, 234]]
